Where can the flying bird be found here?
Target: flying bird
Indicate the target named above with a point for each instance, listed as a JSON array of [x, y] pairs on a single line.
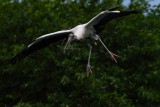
[[90, 29]]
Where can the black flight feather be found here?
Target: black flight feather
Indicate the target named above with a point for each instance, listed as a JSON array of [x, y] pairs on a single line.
[[110, 16], [39, 43]]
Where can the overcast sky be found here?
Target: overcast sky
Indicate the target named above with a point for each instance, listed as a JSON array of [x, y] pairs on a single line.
[[153, 2]]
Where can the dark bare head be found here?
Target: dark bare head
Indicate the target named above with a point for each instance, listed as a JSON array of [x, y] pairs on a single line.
[[71, 37]]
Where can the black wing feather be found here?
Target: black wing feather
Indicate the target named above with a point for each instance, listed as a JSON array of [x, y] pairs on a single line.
[[110, 16], [39, 43]]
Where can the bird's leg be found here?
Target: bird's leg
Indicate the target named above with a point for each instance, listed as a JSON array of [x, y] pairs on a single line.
[[110, 53], [89, 67]]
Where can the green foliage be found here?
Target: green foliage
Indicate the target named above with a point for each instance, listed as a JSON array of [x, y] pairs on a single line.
[[49, 78]]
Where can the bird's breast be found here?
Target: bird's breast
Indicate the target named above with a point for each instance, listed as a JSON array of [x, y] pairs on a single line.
[[80, 31]]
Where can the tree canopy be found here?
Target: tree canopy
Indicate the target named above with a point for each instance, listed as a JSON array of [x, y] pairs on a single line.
[[49, 78]]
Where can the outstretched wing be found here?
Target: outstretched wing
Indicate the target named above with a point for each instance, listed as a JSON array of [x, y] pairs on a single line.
[[102, 18], [110, 16], [41, 42]]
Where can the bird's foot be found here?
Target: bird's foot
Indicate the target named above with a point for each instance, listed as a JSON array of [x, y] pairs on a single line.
[[89, 69], [113, 56]]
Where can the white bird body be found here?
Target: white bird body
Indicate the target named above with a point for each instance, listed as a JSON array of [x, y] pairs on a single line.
[[83, 31], [80, 31]]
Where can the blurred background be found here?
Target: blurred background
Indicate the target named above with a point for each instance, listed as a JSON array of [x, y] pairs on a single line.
[[50, 78]]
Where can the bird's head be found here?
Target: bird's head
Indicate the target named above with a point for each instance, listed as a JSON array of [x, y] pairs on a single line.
[[71, 37]]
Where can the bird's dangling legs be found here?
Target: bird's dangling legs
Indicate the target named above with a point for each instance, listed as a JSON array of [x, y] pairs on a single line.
[[110, 53], [89, 67]]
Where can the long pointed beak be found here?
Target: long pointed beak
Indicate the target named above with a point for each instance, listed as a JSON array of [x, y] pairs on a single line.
[[67, 44]]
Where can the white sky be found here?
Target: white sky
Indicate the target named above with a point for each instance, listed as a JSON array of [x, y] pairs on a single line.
[[152, 2]]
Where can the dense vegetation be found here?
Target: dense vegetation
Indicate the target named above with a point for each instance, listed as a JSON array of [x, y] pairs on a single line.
[[49, 78]]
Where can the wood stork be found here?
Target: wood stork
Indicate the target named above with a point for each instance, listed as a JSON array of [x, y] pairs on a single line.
[[90, 29]]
